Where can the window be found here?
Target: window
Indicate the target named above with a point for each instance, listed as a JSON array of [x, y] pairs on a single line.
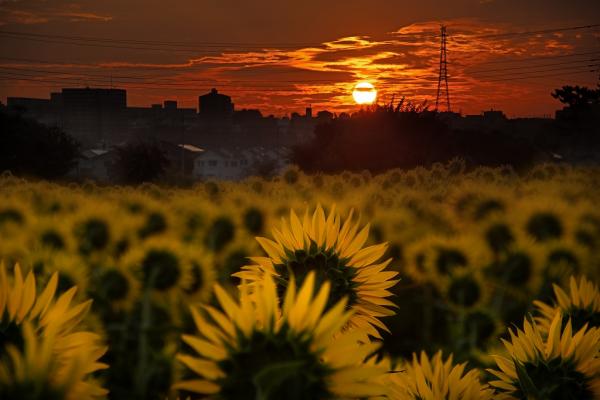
[[234, 163], [212, 163]]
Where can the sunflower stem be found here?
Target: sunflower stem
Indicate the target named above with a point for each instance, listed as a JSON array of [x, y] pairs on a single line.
[[428, 315], [145, 325]]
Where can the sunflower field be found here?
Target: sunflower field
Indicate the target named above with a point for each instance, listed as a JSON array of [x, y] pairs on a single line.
[[434, 284]]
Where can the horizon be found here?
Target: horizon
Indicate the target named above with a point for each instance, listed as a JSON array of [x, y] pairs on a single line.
[[497, 59]]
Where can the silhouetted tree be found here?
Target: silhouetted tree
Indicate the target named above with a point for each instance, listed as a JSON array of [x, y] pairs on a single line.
[[404, 135], [577, 96], [33, 149], [579, 122], [266, 168], [140, 162]]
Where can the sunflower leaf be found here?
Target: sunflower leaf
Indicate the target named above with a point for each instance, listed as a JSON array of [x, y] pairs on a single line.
[[525, 381]]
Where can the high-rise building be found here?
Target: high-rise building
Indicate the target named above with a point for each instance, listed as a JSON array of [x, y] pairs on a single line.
[[215, 104], [94, 115]]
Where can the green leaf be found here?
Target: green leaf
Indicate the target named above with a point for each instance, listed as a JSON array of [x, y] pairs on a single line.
[[525, 381]]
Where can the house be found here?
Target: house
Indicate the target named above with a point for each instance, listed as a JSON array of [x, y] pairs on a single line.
[[95, 164], [237, 164], [181, 156]]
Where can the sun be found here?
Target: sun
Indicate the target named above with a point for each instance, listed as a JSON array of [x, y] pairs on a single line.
[[364, 93]]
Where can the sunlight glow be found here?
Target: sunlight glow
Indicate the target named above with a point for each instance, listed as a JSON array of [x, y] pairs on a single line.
[[364, 93]]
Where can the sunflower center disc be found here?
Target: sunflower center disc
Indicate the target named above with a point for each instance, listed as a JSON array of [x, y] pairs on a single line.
[[10, 334], [327, 266], [556, 379], [273, 366]]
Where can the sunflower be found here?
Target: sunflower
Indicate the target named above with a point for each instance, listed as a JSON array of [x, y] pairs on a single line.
[[464, 288], [257, 349], [50, 234], [14, 214], [436, 379], [71, 268], [233, 257], [203, 276], [93, 228], [519, 268], [559, 365], [335, 253], [543, 219], [161, 264], [116, 288], [14, 247], [43, 355], [581, 306], [445, 255]]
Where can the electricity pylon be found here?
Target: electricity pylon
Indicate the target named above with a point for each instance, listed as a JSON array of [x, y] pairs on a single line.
[[443, 75]]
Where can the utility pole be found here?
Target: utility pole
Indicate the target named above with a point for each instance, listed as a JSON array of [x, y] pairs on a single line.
[[443, 74]]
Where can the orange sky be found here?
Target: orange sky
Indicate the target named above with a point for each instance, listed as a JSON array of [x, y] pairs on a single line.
[[286, 57]]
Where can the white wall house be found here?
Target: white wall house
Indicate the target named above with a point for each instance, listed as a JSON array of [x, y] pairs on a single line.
[[95, 164], [237, 164]]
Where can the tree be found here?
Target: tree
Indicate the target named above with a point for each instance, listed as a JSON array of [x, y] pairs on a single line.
[[405, 135], [33, 149], [577, 97], [378, 139], [265, 168], [140, 162], [579, 122]]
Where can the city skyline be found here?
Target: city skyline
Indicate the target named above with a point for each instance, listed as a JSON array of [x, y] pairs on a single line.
[[496, 59]]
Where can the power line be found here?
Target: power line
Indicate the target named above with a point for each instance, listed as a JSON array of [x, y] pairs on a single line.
[[297, 70], [73, 81], [165, 82], [166, 78], [536, 32], [509, 68], [528, 59], [587, 63], [78, 79], [165, 43], [190, 67], [157, 49], [565, 73], [188, 47]]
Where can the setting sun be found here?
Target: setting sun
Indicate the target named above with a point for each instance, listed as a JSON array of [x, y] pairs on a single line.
[[364, 93]]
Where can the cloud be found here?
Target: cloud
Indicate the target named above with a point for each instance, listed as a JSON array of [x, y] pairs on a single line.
[[485, 65], [82, 16], [23, 13], [23, 18]]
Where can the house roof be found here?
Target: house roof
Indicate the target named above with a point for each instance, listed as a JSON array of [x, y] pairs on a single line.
[[250, 152], [93, 153], [190, 147]]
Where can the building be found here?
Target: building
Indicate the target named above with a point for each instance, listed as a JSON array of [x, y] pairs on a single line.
[[42, 110], [95, 164], [488, 121], [86, 98], [215, 104], [218, 164], [100, 118], [238, 164], [94, 116], [181, 157]]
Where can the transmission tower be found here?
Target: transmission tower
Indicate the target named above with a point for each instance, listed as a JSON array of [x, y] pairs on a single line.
[[443, 75]]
